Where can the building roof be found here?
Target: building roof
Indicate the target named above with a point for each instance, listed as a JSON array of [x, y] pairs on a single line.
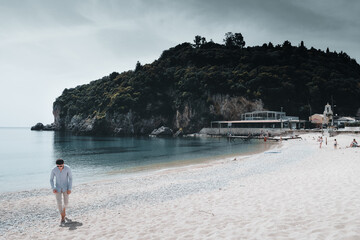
[[349, 119], [265, 112], [258, 121]]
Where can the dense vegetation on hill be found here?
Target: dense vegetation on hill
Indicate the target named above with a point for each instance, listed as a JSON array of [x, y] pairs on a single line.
[[188, 76]]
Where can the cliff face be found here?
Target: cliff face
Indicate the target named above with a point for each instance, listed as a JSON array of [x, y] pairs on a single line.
[[190, 119], [190, 86]]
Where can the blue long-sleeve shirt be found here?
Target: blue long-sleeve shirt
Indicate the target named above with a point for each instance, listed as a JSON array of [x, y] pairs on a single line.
[[63, 179]]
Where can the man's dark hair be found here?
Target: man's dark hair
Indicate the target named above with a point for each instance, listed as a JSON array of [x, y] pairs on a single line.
[[59, 162]]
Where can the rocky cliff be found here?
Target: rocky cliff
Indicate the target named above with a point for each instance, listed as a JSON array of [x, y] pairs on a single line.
[[191, 85], [190, 119]]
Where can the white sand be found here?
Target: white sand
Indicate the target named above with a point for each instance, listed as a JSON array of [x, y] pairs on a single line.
[[294, 191]]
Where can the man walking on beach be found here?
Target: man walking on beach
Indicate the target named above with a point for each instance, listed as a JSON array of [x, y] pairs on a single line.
[[62, 187]]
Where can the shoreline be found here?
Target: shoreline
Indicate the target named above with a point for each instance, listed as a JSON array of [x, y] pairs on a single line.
[[294, 191], [151, 168], [188, 163], [133, 153]]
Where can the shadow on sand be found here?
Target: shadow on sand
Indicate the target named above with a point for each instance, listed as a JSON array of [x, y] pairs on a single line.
[[72, 225]]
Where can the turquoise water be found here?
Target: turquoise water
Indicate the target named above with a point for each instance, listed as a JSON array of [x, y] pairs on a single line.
[[27, 157]]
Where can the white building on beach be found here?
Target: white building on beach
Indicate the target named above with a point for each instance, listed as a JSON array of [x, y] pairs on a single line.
[[258, 122]]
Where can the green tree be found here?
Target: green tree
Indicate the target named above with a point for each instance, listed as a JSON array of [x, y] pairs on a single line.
[[286, 44], [239, 40], [228, 40], [197, 41], [234, 40], [138, 66]]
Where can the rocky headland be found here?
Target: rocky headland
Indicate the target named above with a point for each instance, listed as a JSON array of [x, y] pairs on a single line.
[[191, 85]]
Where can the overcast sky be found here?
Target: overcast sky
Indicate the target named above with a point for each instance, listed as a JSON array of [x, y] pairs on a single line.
[[47, 45]]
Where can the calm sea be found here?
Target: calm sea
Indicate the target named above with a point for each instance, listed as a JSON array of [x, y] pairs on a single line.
[[27, 157]]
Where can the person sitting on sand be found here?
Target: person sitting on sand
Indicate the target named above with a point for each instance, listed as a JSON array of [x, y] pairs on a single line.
[[354, 143], [63, 186]]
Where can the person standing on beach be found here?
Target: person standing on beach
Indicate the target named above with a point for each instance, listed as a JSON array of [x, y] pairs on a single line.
[[321, 141], [335, 144], [62, 187]]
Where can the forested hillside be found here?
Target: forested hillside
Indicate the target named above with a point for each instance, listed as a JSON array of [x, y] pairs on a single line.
[[193, 84]]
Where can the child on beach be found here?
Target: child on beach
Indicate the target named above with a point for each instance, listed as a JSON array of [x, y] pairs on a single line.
[[335, 144]]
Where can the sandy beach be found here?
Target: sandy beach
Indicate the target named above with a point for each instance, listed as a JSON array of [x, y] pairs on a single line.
[[295, 190]]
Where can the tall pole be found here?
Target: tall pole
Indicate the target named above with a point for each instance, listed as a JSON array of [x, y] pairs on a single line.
[[332, 108], [281, 123]]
